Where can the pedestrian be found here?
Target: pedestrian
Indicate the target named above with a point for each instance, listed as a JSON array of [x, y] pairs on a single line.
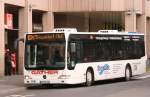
[[7, 62], [13, 62]]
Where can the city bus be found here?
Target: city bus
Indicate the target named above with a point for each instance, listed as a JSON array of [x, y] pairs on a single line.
[[65, 56]]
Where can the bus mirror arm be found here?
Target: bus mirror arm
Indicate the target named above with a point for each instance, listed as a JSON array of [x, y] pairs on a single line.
[[21, 40]]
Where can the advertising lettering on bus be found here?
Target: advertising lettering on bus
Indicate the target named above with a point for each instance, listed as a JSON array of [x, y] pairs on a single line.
[[44, 72]]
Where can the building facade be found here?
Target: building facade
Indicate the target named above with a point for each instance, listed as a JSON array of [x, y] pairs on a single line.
[[28, 16]]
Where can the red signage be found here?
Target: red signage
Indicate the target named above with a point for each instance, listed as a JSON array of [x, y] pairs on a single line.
[[44, 72], [8, 21]]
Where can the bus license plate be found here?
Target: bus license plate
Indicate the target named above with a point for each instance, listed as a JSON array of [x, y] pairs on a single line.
[[44, 82]]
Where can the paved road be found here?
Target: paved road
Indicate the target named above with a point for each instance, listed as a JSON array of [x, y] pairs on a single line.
[[139, 87]]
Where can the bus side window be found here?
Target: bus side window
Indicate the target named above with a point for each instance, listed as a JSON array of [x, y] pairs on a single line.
[[72, 54], [106, 51], [73, 47]]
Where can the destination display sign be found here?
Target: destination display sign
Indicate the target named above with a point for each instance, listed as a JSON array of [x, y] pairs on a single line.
[[107, 37], [49, 37], [125, 38]]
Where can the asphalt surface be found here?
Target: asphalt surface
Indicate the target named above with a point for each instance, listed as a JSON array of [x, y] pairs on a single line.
[[138, 87]]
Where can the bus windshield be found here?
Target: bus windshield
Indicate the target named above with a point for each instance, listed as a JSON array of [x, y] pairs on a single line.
[[44, 54]]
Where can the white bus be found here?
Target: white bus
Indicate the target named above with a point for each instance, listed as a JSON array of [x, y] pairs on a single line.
[[65, 56]]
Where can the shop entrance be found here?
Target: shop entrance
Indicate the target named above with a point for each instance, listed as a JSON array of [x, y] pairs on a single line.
[[11, 39], [37, 23]]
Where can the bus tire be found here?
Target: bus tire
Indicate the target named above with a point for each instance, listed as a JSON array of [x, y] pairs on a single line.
[[128, 73], [89, 78], [29, 86]]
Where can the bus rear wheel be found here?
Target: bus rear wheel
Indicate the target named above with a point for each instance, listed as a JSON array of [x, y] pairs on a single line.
[[128, 73], [89, 78]]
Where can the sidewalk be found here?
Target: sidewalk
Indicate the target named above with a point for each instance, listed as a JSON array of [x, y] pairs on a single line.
[[16, 80], [11, 83]]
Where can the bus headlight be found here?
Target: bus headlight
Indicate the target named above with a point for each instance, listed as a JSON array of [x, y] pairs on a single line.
[[27, 77]]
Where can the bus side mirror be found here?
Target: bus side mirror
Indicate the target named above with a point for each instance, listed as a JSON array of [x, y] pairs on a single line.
[[73, 47], [72, 63]]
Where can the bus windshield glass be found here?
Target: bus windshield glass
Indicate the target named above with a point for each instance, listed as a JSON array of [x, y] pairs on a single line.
[[45, 51]]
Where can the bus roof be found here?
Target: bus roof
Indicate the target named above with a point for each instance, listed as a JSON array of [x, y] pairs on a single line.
[[118, 33], [74, 31]]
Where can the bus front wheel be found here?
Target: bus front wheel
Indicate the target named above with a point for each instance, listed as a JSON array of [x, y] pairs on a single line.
[[89, 77], [128, 73]]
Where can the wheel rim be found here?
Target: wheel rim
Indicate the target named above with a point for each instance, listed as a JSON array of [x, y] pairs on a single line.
[[89, 78], [127, 74]]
